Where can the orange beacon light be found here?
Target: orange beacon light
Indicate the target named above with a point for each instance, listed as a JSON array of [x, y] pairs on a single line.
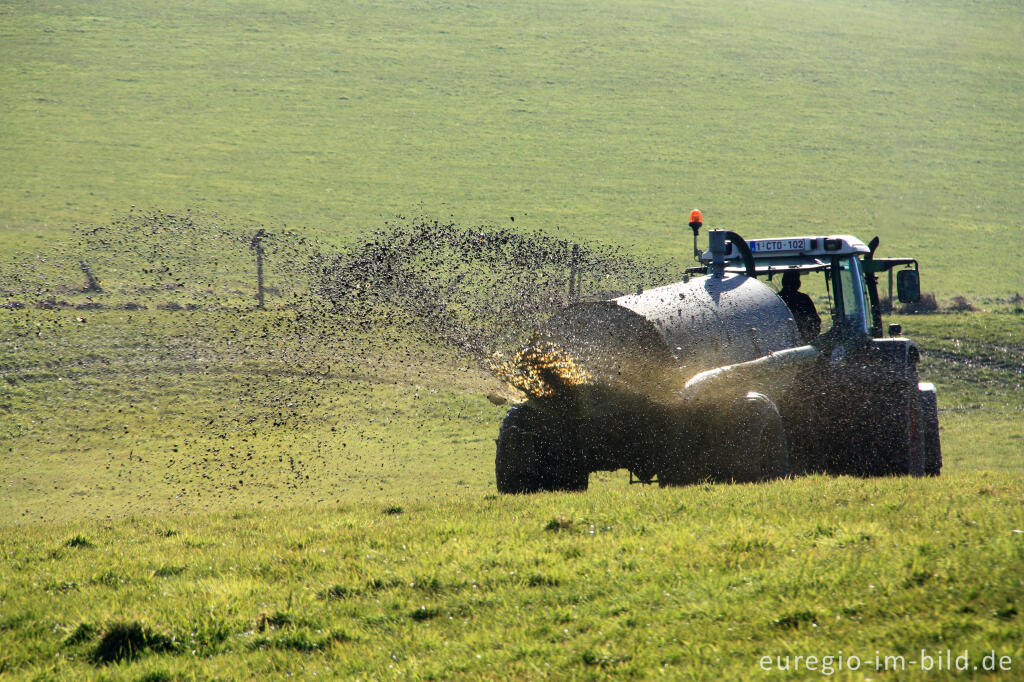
[[696, 219]]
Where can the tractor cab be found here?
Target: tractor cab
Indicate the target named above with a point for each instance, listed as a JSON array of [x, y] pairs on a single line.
[[849, 268], [877, 376]]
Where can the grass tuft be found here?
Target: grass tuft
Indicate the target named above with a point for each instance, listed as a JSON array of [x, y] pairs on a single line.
[[602, 661], [128, 641], [1006, 613], [83, 633], [168, 571], [559, 523], [918, 578], [378, 584], [961, 304], [927, 304], [299, 641], [795, 620], [537, 580], [425, 613], [278, 619], [158, 676], [336, 592]]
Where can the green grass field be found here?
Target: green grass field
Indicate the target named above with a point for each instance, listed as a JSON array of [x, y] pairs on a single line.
[[220, 492], [347, 525], [605, 119], [618, 582]]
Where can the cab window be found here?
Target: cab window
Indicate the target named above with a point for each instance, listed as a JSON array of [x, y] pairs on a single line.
[[856, 307]]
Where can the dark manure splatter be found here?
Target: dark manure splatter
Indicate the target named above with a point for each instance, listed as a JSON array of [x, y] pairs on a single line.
[[152, 304], [476, 289]]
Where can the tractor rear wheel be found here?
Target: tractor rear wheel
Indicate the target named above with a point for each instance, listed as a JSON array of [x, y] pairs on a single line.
[[534, 454], [929, 428]]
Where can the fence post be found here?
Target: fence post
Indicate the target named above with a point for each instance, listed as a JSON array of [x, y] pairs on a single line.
[[91, 283], [574, 274], [257, 245]]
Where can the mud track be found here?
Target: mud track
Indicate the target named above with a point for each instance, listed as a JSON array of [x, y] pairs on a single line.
[[973, 361]]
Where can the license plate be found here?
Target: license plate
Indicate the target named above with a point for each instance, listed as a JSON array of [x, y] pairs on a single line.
[[777, 245]]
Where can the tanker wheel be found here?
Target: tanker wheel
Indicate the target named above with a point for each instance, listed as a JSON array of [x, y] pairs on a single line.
[[929, 428], [534, 455], [759, 426]]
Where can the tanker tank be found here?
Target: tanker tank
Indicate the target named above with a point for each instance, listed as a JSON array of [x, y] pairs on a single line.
[[652, 342]]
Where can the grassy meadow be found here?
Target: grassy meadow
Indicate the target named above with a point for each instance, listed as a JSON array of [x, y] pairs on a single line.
[[606, 119], [205, 490], [618, 582]]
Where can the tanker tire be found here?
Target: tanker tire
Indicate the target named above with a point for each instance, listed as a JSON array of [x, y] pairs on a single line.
[[748, 442], [761, 423], [515, 471], [532, 456], [929, 412]]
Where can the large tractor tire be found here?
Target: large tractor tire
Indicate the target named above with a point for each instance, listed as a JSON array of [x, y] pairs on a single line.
[[748, 443], [880, 435], [535, 454], [928, 428]]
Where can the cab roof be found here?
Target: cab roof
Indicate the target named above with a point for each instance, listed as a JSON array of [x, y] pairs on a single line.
[[803, 253], [787, 247]]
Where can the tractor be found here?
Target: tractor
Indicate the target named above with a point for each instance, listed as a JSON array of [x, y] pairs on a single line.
[[716, 378]]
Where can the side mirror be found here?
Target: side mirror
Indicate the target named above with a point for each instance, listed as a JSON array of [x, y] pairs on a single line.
[[908, 286]]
